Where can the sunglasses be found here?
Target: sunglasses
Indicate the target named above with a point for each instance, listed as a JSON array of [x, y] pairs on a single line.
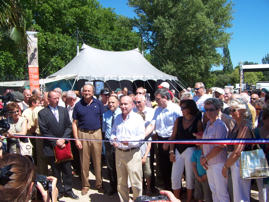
[[233, 110], [183, 108], [253, 98], [226, 93], [210, 109], [15, 112], [197, 88], [137, 102], [138, 93]]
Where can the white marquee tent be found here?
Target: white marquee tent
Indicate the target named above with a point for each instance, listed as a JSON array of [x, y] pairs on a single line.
[[93, 64]]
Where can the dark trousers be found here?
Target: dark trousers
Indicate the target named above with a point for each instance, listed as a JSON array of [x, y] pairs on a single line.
[[111, 165], [62, 171], [165, 165], [76, 161], [152, 153]]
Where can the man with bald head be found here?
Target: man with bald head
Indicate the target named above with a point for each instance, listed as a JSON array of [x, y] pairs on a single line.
[[87, 123], [128, 127], [25, 103], [253, 98]]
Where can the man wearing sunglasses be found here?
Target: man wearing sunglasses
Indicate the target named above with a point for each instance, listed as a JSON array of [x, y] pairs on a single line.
[[253, 98], [105, 95], [141, 91], [200, 95]]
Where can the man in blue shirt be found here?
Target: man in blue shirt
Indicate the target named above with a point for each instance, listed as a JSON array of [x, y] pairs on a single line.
[[87, 117], [108, 120]]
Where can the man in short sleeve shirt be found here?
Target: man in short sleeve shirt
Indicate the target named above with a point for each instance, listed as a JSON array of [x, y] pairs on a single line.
[[87, 116], [163, 123]]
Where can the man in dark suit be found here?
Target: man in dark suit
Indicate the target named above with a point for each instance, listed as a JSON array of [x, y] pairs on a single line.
[[54, 122]]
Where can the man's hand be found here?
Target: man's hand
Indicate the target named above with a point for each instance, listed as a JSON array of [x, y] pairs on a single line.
[[60, 142], [165, 146], [125, 143], [63, 146], [78, 144], [115, 144], [144, 159]]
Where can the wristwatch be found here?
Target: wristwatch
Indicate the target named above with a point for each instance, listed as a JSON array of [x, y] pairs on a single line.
[[171, 151]]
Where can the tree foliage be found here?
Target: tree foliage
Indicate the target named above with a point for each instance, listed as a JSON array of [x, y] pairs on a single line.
[[226, 60], [56, 23], [184, 33]]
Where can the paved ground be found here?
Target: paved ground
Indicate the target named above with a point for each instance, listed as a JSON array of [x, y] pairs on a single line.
[[94, 196]]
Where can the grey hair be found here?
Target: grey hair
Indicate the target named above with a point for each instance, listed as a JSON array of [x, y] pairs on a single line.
[[201, 84], [71, 94], [93, 89], [228, 88], [143, 97], [259, 102], [245, 97], [186, 95], [163, 92], [239, 103], [59, 90], [213, 101]]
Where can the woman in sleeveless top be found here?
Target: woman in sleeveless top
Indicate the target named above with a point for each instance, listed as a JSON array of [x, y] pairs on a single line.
[[239, 112], [18, 125], [180, 154], [214, 156], [263, 132]]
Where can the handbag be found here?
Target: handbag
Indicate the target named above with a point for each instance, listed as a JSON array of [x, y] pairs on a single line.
[[253, 164], [26, 148], [64, 154]]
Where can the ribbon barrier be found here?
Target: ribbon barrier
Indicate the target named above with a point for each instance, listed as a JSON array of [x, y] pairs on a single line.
[[191, 141]]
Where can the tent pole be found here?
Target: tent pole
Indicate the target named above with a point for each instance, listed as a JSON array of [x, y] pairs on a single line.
[[108, 86], [77, 43], [120, 85], [135, 84], [179, 85], [74, 83], [150, 85]]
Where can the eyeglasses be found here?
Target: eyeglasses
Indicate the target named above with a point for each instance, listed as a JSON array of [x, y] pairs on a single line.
[[210, 109], [138, 93], [258, 109], [138, 102], [226, 93], [183, 108], [157, 99], [197, 88], [14, 112], [233, 110], [253, 98]]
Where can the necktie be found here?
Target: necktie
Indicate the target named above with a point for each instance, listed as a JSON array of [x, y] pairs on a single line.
[[112, 122], [56, 114]]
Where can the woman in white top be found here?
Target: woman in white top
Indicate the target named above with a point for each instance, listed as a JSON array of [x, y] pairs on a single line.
[[215, 156], [18, 125]]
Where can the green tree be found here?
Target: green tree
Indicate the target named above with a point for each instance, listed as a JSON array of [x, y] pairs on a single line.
[[222, 80], [265, 60], [56, 22], [184, 33], [226, 60]]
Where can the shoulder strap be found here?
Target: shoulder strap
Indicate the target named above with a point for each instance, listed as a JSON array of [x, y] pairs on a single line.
[[253, 136], [257, 133]]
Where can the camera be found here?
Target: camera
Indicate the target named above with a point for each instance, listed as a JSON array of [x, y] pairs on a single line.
[[46, 184], [160, 198]]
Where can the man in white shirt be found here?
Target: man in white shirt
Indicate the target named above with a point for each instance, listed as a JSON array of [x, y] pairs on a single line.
[[200, 95], [163, 123], [140, 103], [25, 103], [128, 126], [71, 100]]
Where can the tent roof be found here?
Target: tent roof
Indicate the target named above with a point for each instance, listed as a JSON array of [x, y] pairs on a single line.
[[94, 64]]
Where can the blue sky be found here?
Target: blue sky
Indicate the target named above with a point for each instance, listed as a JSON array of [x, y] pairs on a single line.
[[250, 39]]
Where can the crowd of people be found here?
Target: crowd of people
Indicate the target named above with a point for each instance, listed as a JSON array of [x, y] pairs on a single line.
[[118, 126]]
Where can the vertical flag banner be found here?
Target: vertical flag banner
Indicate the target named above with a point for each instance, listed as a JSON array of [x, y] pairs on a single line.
[[33, 67]]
